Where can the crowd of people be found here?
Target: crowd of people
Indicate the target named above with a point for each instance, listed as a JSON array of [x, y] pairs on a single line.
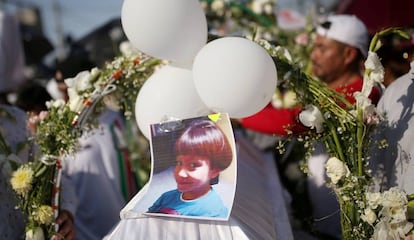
[[98, 180]]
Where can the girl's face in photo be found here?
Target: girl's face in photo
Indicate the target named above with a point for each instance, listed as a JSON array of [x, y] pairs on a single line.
[[193, 174]]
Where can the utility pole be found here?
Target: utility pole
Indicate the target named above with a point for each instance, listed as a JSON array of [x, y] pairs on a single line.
[[60, 44]]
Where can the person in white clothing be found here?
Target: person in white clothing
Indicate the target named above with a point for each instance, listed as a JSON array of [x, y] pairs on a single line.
[[394, 164], [95, 179]]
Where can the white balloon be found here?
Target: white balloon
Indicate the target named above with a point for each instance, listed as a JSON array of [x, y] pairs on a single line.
[[234, 75], [173, 30], [168, 94]]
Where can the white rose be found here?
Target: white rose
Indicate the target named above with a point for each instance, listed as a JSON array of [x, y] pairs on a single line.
[[80, 82], [312, 117], [75, 103], [369, 216], [373, 199], [336, 169], [37, 234]]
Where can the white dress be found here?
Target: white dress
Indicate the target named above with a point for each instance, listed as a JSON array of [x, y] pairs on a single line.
[[259, 210]]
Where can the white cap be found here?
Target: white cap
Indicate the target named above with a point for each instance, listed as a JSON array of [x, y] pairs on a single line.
[[346, 29]]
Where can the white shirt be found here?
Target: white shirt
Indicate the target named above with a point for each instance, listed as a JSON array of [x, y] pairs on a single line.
[[397, 159], [91, 182]]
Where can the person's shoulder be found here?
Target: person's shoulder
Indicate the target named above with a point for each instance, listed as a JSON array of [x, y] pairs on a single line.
[[396, 89], [14, 111], [402, 82], [13, 114], [214, 196], [170, 193], [399, 86]]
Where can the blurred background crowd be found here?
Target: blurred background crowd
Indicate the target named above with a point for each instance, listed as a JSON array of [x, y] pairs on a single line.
[[69, 32], [71, 36]]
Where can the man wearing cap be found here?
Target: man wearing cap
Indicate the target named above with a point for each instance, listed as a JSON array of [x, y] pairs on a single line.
[[340, 48]]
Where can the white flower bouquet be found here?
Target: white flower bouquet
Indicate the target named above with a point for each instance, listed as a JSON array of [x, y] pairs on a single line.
[[37, 183], [345, 130]]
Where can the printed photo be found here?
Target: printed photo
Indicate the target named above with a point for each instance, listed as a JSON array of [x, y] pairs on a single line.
[[193, 169]]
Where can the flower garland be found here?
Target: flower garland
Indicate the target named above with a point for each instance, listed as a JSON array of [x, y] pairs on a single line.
[[345, 131], [37, 183], [233, 16]]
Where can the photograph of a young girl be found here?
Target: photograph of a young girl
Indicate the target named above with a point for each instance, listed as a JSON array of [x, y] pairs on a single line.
[[193, 169]]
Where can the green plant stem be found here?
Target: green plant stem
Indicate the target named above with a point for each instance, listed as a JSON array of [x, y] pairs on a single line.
[[335, 138], [360, 140]]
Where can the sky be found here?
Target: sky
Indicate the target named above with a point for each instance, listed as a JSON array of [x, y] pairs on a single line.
[[77, 17], [80, 17]]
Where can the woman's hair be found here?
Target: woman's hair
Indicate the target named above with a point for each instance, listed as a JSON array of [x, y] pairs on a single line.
[[205, 138]]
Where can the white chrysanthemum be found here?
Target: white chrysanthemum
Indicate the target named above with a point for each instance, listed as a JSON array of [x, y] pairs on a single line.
[[36, 234], [44, 214], [369, 216], [336, 169], [312, 117], [394, 198], [21, 180], [399, 214]]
